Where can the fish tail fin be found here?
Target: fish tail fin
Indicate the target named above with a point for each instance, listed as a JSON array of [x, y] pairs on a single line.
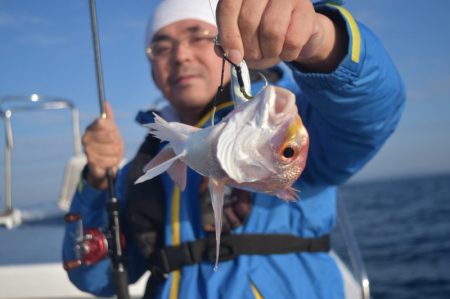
[[166, 160]]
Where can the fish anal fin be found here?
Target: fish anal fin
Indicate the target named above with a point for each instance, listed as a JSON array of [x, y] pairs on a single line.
[[216, 190]]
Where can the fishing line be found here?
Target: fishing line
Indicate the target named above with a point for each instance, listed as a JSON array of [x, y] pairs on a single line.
[[220, 88], [219, 91], [212, 10], [236, 67]]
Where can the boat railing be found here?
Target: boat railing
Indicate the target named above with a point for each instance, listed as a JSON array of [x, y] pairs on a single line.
[[351, 245], [9, 106]]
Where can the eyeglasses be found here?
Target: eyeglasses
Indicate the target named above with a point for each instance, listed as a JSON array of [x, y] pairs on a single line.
[[163, 48]]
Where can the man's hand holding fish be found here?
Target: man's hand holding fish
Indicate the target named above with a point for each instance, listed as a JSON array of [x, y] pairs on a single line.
[[267, 32]]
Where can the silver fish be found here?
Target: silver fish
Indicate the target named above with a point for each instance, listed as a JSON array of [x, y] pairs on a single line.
[[260, 146]]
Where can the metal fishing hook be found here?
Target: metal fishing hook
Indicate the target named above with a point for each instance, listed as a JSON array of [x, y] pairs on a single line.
[[236, 67]]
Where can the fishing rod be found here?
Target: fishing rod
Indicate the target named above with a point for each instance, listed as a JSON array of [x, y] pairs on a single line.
[[116, 254]]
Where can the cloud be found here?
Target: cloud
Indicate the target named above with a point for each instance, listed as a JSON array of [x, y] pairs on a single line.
[[19, 20], [428, 88], [40, 39], [27, 29], [441, 83], [415, 94]]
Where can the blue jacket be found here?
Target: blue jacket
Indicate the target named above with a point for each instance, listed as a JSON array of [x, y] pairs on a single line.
[[349, 114]]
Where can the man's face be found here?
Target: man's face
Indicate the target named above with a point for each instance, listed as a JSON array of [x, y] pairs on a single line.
[[185, 66]]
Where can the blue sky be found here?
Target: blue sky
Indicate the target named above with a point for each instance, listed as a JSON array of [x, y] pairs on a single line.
[[46, 48]]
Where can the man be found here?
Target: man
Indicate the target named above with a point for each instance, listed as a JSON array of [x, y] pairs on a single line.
[[350, 98]]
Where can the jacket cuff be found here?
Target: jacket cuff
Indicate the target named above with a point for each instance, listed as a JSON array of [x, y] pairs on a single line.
[[88, 196]]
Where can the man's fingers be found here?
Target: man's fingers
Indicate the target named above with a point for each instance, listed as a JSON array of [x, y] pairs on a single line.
[[294, 40], [316, 41], [103, 146], [249, 24], [100, 161], [103, 126], [101, 136], [274, 25], [265, 31], [104, 149], [299, 32], [104, 161], [229, 35], [109, 111]]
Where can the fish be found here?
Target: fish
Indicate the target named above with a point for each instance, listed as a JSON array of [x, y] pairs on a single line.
[[260, 146]]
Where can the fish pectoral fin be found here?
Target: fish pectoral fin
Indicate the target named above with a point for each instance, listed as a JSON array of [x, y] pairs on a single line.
[[216, 190], [288, 194], [158, 164]]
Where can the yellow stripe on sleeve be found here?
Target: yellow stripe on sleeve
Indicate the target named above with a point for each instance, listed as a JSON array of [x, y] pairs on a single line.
[[356, 36]]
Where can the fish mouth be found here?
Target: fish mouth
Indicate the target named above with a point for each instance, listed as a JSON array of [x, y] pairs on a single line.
[[281, 105]]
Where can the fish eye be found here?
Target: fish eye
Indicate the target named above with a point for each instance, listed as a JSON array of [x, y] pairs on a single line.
[[288, 152]]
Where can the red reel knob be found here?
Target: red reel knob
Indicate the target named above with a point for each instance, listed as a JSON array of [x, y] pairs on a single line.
[[94, 246], [72, 217]]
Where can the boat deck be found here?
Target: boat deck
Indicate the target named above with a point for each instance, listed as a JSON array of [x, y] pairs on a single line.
[[30, 260]]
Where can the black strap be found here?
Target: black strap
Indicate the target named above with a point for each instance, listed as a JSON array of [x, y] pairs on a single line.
[[145, 208], [170, 258]]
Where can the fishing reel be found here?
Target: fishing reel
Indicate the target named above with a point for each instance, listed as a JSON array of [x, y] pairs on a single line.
[[91, 244]]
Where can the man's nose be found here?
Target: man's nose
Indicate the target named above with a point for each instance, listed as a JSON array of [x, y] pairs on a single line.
[[182, 51]]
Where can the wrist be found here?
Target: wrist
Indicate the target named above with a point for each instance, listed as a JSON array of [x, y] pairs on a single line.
[[99, 182], [327, 48]]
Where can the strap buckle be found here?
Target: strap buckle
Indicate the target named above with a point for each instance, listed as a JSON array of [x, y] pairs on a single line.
[[160, 267], [168, 259], [226, 251]]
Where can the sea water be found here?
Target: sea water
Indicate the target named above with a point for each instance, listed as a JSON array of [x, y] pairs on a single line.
[[403, 230]]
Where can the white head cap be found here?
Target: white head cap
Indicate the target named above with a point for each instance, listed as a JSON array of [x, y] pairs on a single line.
[[166, 12]]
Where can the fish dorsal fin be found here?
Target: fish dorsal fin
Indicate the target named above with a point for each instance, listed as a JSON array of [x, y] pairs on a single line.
[[173, 132]]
